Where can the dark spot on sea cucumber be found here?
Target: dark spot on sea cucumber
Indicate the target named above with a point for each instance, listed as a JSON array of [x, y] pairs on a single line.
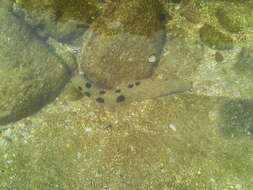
[[102, 92], [87, 94], [88, 85], [137, 83], [117, 91], [100, 100], [130, 86], [120, 98]]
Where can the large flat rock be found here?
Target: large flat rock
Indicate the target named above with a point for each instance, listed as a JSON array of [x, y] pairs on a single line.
[[30, 74]]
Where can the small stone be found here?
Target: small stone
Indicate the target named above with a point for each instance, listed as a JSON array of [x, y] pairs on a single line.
[[152, 59], [173, 127], [88, 130], [218, 57]]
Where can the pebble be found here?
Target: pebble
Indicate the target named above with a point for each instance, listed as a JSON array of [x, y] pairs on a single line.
[[172, 127], [152, 59], [219, 57]]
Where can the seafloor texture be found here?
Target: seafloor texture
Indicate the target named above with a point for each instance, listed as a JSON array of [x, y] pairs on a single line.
[[196, 141]]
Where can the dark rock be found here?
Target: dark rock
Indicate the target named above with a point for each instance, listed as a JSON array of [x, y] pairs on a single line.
[[218, 57], [244, 64], [121, 41], [30, 74], [229, 21], [237, 116]]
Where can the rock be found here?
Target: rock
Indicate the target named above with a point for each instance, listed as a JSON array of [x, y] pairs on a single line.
[[214, 38], [230, 20], [244, 64], [60, 19], [121, 41], [218, 57], [191, 13], [31, 75], [237, 117], [236, 18]]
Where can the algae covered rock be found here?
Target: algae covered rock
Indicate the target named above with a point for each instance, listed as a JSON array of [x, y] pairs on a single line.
[[237, 117], [124, 43], [85, 10], [30, 74], [244, 64], [214, 38], [235, 19], [191, 12], [232, 23], [61, 19]]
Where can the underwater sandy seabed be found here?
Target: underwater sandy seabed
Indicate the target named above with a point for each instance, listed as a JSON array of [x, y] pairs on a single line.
[[198, 140]]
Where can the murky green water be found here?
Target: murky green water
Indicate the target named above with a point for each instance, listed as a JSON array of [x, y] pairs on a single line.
[[136, 94]]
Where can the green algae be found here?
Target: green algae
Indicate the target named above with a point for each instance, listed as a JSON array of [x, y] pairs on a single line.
[[232, 23], [235, 17], [64, 10], [214, 38], [65, 21], [191, 12]]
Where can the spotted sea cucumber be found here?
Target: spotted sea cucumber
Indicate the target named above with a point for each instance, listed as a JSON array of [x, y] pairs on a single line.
[[130, 92]]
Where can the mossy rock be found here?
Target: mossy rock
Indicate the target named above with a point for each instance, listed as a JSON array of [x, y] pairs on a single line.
[[214, 38], [231, 21], [191, 12], [61, 19], [237, 116], [64, 9], [244, 64], [31, 75], [121, 41], [236, 17]]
